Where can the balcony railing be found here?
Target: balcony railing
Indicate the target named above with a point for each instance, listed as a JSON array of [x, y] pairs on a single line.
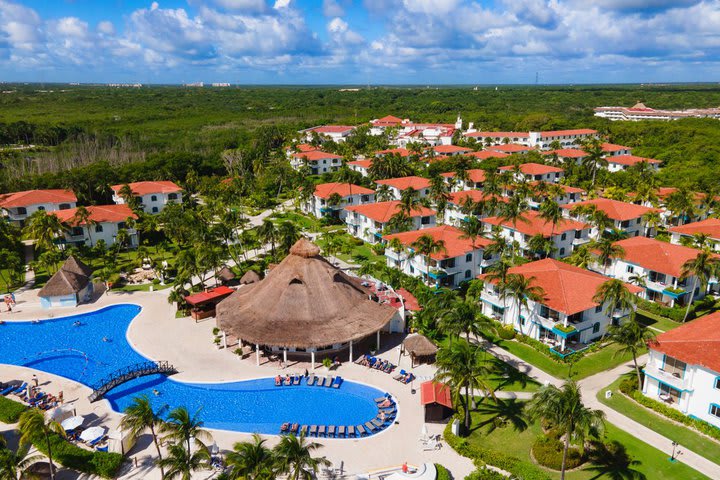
[[680, 381]]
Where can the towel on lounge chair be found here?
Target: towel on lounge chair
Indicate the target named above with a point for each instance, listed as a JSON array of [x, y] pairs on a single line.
[[376, 422], [361, 431], [331, 430], [320, 381], [400, 375], [20, 391], [410, 377], [311, 379], [341, 431], [381, 399], [304, 430], [285, 427], [360, 359], [278, 381], [321, 430], [328, 381], [351, 431], [294, 428], [287, 381], [8, 390], [313, 430]]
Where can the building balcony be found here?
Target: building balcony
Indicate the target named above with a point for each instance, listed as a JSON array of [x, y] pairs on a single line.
[[437, 273], [679, 381], [580, 241]]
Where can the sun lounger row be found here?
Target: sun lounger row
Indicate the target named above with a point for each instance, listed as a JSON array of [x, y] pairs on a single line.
[[18, 390], [312, 380], [380, 422], [376, 363], [404, 377]]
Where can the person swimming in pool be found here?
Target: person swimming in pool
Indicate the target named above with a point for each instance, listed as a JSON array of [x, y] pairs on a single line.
[[105, 339], [156, 392], [76, 323]]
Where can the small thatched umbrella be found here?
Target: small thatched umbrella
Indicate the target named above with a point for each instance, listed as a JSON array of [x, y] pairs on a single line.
[[225, 275], [251, 276], [419, 346]]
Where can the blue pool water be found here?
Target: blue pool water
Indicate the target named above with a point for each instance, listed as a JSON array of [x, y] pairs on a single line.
[[89, 351]]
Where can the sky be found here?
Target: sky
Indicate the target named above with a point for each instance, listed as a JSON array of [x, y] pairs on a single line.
[[360, 41]]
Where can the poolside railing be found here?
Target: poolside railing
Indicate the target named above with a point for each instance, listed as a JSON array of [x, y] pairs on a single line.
[[128, 373]]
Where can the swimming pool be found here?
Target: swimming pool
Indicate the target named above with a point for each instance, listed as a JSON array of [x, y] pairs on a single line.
[[88, 347]]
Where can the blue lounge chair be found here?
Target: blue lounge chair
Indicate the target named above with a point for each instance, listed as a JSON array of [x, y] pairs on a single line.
[[8, 390], [361, 430], [296, 380], [320, 381], [20, 391], [311, 380], [337, 382], [341, 431], [313, 430], [399, 375], [350, 431], [321, 431], [328, 381], [331, 431]]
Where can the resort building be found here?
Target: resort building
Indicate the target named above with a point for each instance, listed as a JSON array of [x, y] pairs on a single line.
[[496, 138], [475, 180], [458, 260], [542, 140], [305, 306], [660, 265], [624, 216], [398, 185], [336, 133], [317, 160], [683, 369], [567, 155], [152, 196], [300, 148], [709, 228], [510, 148], [562, 194], [104, 223], [330, 199], [403, 152], [451, 150], [427, 133], [567, 317], [460, 205], [639, 112], [18, 206], [69, 286], [611, 149], [361, 166], [617, 163], [379, 126], [371, 221], [563, 237], [535, 172], [487, 154]]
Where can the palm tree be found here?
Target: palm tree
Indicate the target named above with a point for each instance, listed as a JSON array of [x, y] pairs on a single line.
[[439, 194], [44, 228], [426, 245], [701, 269], [181, 427], [289, 234], [335, 199], [409, 201], [383, 193], [551, 212], [84, 217], [607, 250], [563, 408], [33, 425], [464, 369], [541, 244], [652, 221], [594, 157], [181, 463], [295, 457], [682, 205], [463, 317], [632, 337], [15, 465], [128, 196], [251, 461], [472, 228], [268, 233], [521, 289], [140, 416], [615, 295]]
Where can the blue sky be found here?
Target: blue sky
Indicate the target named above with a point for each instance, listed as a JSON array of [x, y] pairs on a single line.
[[360, 41]]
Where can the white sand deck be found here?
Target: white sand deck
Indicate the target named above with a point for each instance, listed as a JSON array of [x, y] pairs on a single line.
[[157, 334]]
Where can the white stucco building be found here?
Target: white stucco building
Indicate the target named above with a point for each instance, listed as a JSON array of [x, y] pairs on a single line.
[[709, 227], [105, 222], [618, 163], [535, 172], [398, 185], [318, 161], [321, 205], [336, 133], [18, 206], [152, 196], [624, 216], [369, 222]]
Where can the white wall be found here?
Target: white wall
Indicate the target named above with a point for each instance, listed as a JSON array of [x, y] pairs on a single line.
[[370, 231], [108, 233], [13, 214], [152, 202], [462, 269], [319, 206]]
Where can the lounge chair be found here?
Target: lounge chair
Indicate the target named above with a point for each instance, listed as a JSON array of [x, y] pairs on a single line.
[[8, 389], [331, 431], [337, 382], [328, 381], [97, 440], [311, 379], [381, 399], [377, 422], [400, 375], [320, 381], [20, 391], [313, 430], [350, 431], [287, 381], [294, 428], [296, 380], [304, 430], [361, 431], [360, 359], [341, 431], [389, 368], [321, 430], [410, 377]]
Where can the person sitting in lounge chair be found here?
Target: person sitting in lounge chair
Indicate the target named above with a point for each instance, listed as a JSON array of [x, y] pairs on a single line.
[[288, 380], [386, 404], [278, 380]]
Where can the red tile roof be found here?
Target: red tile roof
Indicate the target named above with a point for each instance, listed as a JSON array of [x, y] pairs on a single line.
[[35, 197], [476, 175], [611, 147], [209, 295], [403, 152], [510, 148], [324, 190], [560, 133], [451, 149], [657, 255], [566, 188], [315, 155], [387, 121], [333, 129], [449, 235], [145, 188], [411, 303], [561, 282], [435, 392], [485, 154], [383, 211], [631, 160], [534, 168], [458, 198], [304, 147], [710, 227], [362, 163], [98, 213], [403, 183], [534, 225], [695, 343], [498, 134], [614, 209], [566, 153]]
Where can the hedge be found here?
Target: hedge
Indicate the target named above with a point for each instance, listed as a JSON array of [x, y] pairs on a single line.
[[676, 313], [548, 452], [442, 473], [103, 464], [484, 456], [485, 474], [10, 410], [629, 388]]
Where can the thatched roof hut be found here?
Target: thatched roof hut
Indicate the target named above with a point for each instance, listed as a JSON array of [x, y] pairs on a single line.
[[225, 275], [251, 276], [419, 347], [305, 302], [72, 278]]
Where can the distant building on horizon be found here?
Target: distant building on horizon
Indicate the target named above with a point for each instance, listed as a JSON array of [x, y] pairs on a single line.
[[640, 111]]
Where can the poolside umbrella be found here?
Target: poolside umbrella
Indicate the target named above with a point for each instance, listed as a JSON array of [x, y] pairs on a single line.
[[92, 433], [72, 423]]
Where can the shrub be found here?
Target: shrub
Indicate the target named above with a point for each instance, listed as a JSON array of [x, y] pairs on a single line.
[[506, 332], [103, 464], [10, 410], [442, 473], [548, 452], [675, 313], [485, 474]]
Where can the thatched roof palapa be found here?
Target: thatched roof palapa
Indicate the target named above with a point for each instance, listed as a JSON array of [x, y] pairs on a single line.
[[419, 346], [251, 276], [72, 278], [304, 302], [225, 274]]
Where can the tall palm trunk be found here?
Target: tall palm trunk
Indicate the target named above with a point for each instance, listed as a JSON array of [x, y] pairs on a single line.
[[467, 409], [157, 447], [49, 455], [637, 370], [564, 458], [690, 300]]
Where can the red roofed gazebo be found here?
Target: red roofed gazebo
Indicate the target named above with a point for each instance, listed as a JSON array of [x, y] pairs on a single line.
[[203, 304], [437, 400]]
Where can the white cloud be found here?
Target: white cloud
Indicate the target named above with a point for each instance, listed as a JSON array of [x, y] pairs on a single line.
[[106, 28], [331, 8], [431, 7]]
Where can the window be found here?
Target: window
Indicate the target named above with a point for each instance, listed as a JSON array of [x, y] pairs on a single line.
[[425, 220], [172, 196], [717, 383], [350, 200], [625, 224], [77, 232], [596, 327], [22, 211], [98, 228], [598, 309], [64, 206], [562, 251], [412, 269], [121, 225], [153, 198], [468, 257], [669, 393], [563, 236], [674, 366], [365, 198], [630, 269], [155, 210], [715, 410], [41, 208], [638, 221], [468, 273]]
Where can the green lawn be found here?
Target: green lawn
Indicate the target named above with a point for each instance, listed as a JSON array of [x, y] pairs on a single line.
[[509, 379], [301, 221], [653, 463], [685, 436], [656, 321]]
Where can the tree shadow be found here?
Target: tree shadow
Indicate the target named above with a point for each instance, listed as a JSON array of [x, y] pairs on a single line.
[[611, 460], [502, 413], [506, 375]]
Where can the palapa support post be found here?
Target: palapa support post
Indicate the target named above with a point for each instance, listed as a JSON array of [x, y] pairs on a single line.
[[285, 357], [257, 354], [312, 360], [351, 355], [224, 339], [377, 341]]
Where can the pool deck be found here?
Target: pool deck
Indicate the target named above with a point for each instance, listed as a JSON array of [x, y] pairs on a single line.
[[157, 334]]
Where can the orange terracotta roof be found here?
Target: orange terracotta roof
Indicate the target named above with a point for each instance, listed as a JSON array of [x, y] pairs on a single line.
[[411, 303], [657, 255], [561, 282], [458, 198], [614, 209], [435, 392], [145, 188], [303, 147], [560, 133], [534, 225], [510, 148], [534, 168], [566, 152], [476, 175], [485, 154], [631, 160], [709, 227], [383, 211], [566, 188], [498, 134], [325, 190], [695, 343], [315, 155], [403, 183], [98, 213], [403, 152], [451, 149], [611, 147], [332, 129], [387, 121], [35, 197], [454, 245], [362, 163]]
